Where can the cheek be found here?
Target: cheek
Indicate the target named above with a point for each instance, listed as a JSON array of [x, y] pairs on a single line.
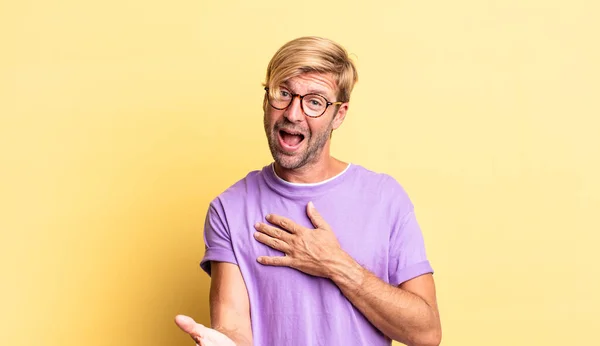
[[270, 119], [318, 127]]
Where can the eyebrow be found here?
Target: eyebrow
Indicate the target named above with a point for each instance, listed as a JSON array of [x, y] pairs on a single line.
[[310, 91]]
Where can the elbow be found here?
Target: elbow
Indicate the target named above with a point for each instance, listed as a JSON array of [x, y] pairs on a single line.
[[432, 337], [435, 341]]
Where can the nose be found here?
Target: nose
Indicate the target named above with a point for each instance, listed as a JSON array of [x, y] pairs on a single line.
[[294, 112]]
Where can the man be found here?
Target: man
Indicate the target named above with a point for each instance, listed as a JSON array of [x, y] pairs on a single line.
[[311, 250]]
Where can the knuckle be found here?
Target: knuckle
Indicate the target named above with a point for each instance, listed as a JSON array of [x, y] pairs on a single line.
[[278, 244]]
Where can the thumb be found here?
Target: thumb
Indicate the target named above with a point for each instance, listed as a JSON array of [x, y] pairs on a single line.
[[314, 216], [188, 325]]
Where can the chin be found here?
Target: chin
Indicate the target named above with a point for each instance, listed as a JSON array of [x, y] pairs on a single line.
[[286, 163], [289, 162]]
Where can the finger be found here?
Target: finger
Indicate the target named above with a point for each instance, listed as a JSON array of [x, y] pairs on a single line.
[[284, 223], [273, 232], [317, 220], [281, 261], [188, 325], [271, 242], [197, 340]]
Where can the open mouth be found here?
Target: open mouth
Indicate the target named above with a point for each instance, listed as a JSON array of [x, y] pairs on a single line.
[[290, 140]]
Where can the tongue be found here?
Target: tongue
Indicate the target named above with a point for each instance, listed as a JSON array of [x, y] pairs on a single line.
[[289, 139]]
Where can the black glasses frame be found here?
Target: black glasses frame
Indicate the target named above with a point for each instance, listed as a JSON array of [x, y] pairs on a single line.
[[327, 103]]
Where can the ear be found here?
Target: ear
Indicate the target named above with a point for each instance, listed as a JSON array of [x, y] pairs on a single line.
[[340, 116]]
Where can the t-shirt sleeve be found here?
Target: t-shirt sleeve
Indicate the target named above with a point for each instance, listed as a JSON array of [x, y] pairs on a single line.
[[217, 237], [408, 258]]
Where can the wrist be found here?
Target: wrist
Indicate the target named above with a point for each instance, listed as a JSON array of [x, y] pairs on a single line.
[[346, 271]]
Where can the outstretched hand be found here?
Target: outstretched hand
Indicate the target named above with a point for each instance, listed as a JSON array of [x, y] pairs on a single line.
[[202, 335]]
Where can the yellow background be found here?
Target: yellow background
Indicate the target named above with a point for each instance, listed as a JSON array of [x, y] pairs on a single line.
[[121, 120]]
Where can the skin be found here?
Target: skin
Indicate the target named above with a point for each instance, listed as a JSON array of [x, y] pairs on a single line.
[[407, 313]]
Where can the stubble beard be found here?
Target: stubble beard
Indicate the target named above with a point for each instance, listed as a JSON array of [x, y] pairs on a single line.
[[314, 146]]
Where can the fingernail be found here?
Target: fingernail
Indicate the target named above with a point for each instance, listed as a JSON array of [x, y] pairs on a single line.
[[257, 225]]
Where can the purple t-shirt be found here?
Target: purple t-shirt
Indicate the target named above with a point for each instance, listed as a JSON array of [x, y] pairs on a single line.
[[374, 221]]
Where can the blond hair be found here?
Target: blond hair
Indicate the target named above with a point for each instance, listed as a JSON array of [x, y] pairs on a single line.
[[312, 54]]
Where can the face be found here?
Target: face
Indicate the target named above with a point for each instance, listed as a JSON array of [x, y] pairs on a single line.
[[296, 140]]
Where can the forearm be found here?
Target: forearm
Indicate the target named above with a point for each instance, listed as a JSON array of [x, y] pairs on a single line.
[[237, 335], [399, 314], [229, 304]]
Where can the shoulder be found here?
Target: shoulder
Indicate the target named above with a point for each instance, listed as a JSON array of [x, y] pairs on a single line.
[[383, 182], [239, 191], [385, 185]]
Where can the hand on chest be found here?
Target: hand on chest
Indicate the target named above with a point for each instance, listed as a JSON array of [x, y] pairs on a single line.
[[294, 235]]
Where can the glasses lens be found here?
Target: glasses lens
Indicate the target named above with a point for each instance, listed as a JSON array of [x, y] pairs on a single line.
[[281, 100], [314, 105]]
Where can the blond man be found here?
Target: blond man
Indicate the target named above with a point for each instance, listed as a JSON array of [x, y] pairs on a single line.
[[311, 250]]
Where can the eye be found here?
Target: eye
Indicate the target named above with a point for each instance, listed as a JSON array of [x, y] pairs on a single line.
[[284, 93], [316, 102]]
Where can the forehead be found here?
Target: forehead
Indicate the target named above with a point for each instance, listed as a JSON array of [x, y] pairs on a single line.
[[313, 82]]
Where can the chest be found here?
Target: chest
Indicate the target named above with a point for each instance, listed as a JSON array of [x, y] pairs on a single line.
[[363, 232]]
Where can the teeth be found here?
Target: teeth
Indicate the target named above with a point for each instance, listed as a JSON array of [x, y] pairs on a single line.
[[292, 133]]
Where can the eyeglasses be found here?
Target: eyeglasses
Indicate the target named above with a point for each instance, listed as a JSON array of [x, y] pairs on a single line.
[[313, 105]]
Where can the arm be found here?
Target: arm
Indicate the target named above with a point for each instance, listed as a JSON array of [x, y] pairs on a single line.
[[407, 313], [229, 303]]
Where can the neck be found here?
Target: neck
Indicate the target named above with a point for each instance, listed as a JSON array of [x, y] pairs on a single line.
[[312, 173]]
